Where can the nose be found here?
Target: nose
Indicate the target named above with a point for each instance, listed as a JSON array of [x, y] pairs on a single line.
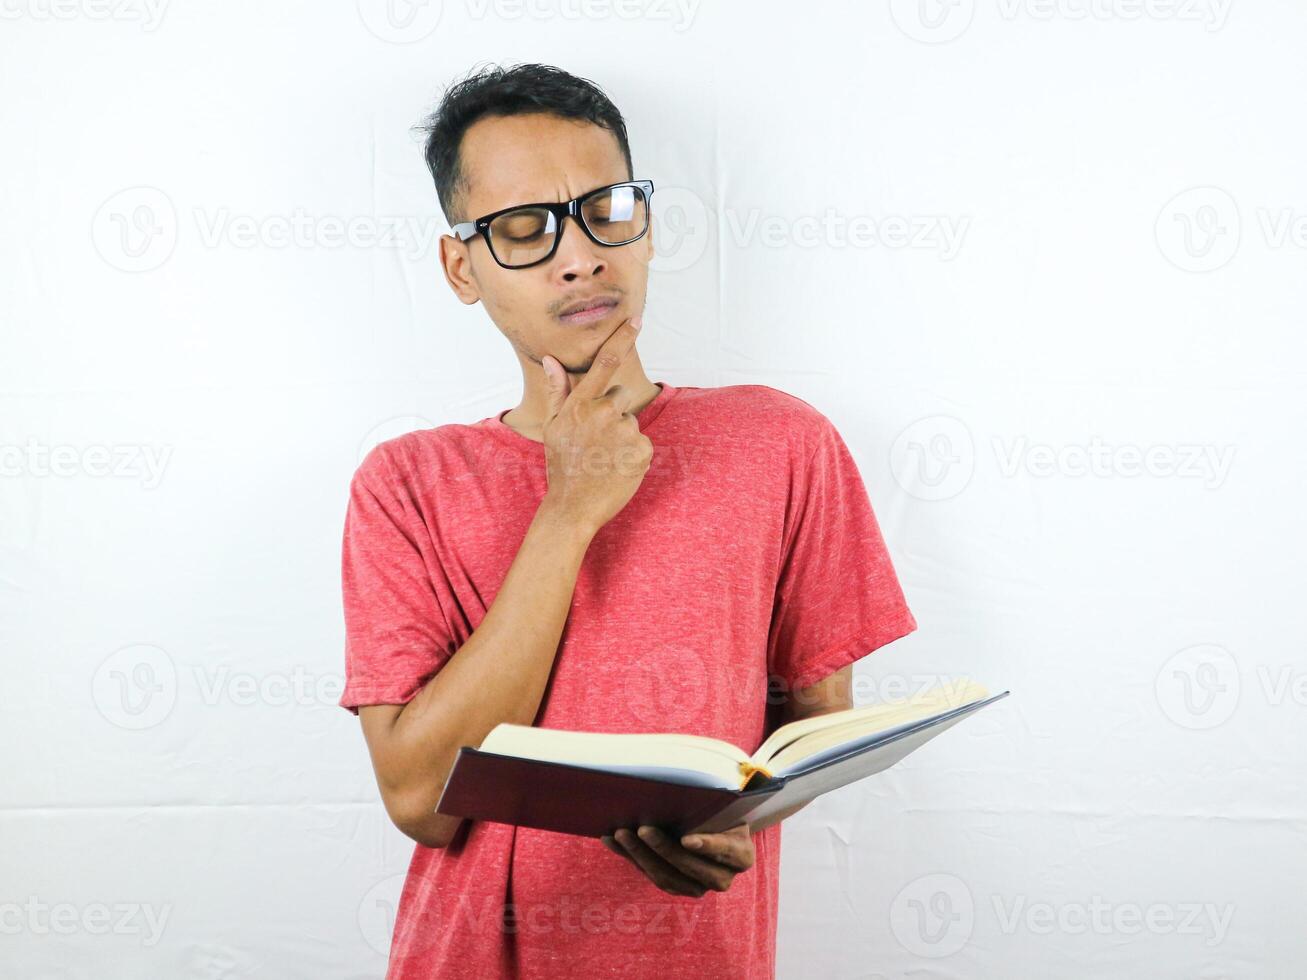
[[576, 254]]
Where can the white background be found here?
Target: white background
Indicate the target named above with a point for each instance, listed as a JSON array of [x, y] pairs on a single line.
[[1075, 392]]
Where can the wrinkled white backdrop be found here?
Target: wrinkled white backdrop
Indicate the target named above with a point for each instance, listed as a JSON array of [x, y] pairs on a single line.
[[1041, 262]]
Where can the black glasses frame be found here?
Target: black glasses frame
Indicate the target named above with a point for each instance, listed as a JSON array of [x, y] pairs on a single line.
[[467, 230]]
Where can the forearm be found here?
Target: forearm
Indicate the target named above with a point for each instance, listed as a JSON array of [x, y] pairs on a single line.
[[498, 675]]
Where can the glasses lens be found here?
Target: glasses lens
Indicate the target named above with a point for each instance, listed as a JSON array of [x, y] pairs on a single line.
[[523, 236], [617, 214]]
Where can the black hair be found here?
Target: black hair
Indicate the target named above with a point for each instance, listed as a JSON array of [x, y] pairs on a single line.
[[497, 91]]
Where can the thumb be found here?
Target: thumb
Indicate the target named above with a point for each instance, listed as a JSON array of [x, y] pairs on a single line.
[[558, 384]]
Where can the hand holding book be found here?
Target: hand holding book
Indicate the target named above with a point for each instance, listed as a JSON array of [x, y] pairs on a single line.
[[693, 865]]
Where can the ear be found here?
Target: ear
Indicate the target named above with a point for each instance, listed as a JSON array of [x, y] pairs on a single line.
[[457, 265], [649, 251]]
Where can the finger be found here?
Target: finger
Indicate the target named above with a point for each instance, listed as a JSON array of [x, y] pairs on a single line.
[[609, 357], [656, 869], [622, 397], [733, 848], [715, 875], [557, 383], [616, 848]]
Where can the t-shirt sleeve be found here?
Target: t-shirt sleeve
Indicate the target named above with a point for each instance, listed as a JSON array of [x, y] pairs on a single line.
[[838, 597], [396, 634]]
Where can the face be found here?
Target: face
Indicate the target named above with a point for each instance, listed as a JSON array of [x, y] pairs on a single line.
[[524, 160]]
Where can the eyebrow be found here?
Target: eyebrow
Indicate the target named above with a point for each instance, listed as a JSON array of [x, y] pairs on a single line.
[[531, 204]]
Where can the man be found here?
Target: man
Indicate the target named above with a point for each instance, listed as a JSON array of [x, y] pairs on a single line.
[[612, 554]]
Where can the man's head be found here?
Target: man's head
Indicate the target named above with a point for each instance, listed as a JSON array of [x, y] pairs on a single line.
[[523, 135]]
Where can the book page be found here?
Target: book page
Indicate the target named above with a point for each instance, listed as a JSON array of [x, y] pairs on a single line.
[[870, 719], [716, 761], [804, 787]]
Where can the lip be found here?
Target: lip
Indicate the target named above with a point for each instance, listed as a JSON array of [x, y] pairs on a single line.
[[597, 310]]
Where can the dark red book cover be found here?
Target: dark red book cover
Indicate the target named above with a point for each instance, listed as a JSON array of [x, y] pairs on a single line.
[[576, 799]]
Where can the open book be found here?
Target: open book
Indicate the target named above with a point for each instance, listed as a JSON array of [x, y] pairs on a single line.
[[594, 782]]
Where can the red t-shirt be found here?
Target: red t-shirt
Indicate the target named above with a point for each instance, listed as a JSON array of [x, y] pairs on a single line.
[[749, 551]]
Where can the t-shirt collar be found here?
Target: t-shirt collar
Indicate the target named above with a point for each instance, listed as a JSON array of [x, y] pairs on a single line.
[[494, 424]]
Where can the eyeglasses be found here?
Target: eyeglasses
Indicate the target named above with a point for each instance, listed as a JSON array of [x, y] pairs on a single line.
[[528, 234]]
